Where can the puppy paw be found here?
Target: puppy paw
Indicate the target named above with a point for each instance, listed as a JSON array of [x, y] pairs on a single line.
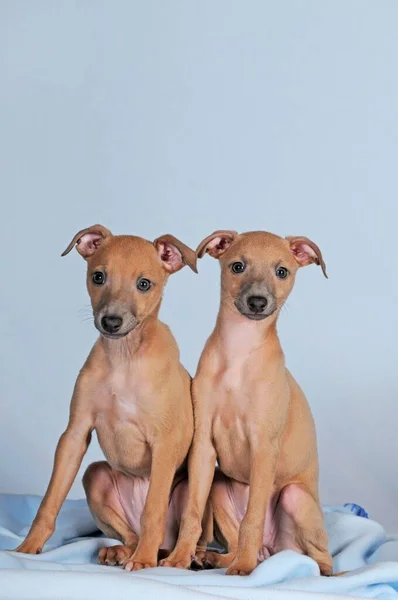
[[178, 560], [263, 554], [200, 562], [31, 545], [115, 555], [239, 567], [326, 569], [37, 537], [216, 560], [136, 564]]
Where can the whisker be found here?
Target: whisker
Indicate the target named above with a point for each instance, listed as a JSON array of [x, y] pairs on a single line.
[[87, 318], [85, 308]]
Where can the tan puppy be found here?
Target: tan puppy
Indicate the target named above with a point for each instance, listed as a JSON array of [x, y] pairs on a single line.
[[251, 415], [135, 393]]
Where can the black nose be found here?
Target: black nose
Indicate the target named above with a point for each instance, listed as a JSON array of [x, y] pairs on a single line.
[[256, 304], [111, 324]]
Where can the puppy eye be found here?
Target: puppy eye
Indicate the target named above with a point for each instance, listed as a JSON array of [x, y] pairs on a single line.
[[143, 285], [238, 267], [281, 273], [98, 278]]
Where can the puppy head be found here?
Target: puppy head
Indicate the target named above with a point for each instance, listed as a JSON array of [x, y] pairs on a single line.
[[258, 269], [126, 275]]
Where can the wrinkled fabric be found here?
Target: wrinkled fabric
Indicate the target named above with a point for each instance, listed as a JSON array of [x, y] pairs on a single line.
[[68, 569]]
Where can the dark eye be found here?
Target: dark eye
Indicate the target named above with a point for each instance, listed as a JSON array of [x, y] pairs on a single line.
[[281, 272], [238, 267], [98, 277], [143, 284]]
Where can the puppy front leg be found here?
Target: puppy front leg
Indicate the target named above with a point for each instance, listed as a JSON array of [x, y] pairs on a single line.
[[262, 475], [71, 448], [153, 519], [201, 465]]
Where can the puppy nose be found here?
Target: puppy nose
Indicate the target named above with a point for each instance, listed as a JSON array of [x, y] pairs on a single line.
[[111, 323], [257, 304]]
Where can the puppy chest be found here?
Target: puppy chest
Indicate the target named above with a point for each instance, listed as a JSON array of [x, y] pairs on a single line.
[[124, 445], [122, 399], [123, 430], [231, 440]]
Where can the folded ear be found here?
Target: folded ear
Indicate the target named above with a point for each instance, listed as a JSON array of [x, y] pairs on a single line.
[[306, 252], [216, 243], [88, 240], [174, 254]]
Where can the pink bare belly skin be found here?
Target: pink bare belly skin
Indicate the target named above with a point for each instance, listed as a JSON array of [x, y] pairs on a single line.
[[235, 498], [132, 492]]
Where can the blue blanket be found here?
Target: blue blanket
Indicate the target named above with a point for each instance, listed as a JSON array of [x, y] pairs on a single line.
[[67, 568]]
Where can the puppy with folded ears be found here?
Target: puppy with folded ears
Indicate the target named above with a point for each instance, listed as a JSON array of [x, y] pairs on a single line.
[[133, 391], [251, 415]]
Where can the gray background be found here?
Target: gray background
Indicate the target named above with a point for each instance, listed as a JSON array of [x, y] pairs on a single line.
[[185, 117]]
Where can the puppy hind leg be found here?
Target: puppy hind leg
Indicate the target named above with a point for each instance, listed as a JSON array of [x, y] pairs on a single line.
[[108, 514], [308, 533], [226, 521]]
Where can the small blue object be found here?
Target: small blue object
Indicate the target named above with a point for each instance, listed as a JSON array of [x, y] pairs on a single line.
[[357, 510]]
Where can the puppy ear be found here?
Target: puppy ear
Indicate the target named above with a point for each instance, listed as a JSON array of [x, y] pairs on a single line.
[[306, 252], [216, 243], [88, 240], [174, 254]]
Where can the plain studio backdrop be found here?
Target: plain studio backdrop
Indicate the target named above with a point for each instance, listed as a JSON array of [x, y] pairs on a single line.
[[184, 117]]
